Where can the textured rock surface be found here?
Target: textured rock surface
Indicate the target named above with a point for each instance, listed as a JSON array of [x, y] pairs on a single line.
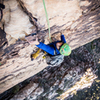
[[16, 22], [2, 38], [61, 13], [15, 63], [77, 72]]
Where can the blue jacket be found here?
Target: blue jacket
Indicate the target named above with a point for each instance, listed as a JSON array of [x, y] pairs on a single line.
[[50, 47]]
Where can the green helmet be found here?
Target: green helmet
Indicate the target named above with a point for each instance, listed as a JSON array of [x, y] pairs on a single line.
[[65, 49]]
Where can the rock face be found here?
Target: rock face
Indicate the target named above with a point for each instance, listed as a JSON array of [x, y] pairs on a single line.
[[79, 21], [77, 72], [2, 38], [16, 22], [61, 13]]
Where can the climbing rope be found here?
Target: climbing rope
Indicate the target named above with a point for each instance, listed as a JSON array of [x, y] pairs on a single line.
[[47, 20]]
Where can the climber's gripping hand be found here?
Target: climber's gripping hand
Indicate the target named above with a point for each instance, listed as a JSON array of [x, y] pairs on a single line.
[[34, 42]]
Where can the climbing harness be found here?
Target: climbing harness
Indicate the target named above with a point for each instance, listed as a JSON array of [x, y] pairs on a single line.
[[54, 60], [47, 20]]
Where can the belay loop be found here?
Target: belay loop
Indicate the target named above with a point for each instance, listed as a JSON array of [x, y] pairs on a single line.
[[47, 19]]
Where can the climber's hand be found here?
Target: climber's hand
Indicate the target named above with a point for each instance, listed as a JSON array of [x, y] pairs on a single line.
[[34, 42]]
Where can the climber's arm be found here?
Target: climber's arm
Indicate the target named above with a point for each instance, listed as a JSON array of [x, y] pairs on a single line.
[[63, 38], [46, 48]]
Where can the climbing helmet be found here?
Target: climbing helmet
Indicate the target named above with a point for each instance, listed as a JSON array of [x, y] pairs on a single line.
[[65, 49]]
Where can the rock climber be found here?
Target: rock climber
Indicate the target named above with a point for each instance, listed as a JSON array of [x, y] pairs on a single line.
[[56, 50]]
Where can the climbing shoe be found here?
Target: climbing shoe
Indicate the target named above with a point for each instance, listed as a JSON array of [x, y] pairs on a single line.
[[35, 55]]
